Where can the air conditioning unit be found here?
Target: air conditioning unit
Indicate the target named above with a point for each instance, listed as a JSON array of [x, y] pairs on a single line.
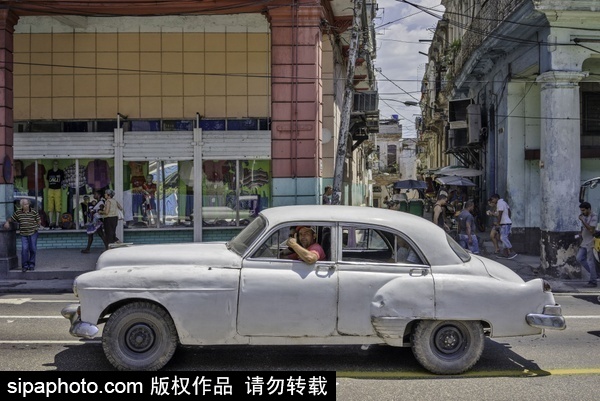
[[366, 101], [474, 122], [457, 113]]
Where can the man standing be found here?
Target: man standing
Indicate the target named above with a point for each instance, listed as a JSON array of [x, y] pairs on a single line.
[[438, 212], [29, 224], [466, 224], [585, 255], [504, 222]]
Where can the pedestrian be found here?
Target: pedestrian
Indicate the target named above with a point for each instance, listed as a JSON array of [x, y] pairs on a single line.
[[494, 234], [504, 223], [466, 224], [94, 208], [111, 217], [439, 213], [29, 224], [585, 255], [327, 195]]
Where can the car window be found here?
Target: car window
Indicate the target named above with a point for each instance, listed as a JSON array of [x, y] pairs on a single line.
[[365, 244], [378, 246], [275, 246], [459, 250], [405, 252], [241, 242]]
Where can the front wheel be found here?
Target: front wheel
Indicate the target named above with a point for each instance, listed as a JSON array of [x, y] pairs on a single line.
[[448, 347], [139, 336]]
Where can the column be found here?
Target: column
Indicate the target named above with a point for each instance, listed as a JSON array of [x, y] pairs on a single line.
[[8, 250], [296, 105], [560, 169]]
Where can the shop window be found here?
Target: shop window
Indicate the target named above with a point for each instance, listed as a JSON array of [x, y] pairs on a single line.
[[158, 194], [177, 125], [213, 125], [106, 126], [45, 126], [144, 125], [248, 124], [264, 124], [61, 189], [76, 126], [231, 201]]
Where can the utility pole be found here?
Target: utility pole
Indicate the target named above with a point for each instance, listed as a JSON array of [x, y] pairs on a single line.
[[340, 159]]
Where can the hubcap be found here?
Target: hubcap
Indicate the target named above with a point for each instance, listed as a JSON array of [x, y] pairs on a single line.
[[449, 340], [140, 338]]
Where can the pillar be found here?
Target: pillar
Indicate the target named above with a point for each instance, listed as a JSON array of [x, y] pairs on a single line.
[[560, 170], [8, 250], [296, 102]]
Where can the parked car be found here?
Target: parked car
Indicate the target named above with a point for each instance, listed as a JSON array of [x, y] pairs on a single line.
[[388, 278]]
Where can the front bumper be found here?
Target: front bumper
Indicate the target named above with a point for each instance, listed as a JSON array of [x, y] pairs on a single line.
[[551, 318], [78, 328]]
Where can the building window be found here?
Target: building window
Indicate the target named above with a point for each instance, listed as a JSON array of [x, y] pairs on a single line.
[[590, 130]]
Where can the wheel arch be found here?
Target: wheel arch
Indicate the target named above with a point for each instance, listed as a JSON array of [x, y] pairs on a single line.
[[108, 310], [487, 327]]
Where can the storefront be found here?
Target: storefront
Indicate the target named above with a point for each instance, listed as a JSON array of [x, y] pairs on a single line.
[[154, 167]]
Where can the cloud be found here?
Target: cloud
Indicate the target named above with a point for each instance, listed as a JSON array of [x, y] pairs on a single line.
[[399, 27]]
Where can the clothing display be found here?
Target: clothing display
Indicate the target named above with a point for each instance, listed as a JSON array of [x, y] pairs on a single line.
[[41, 175], [71, 176], [55, 178], [98, 174], [254, 178], [186, 172]]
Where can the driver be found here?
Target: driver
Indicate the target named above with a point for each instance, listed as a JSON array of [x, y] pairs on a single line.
[[304, 245]]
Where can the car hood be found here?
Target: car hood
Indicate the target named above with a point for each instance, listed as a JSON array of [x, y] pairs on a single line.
[[495, 269], [213, 254]]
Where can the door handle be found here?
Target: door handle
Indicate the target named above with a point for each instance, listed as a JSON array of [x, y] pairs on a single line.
[[418, 272], [322, 268]]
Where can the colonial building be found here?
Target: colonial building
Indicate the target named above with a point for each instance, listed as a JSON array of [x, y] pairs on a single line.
[[198, 114], [512, 87]]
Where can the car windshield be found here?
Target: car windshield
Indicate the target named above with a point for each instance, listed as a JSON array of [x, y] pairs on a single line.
[[241, 242], [458, 250]]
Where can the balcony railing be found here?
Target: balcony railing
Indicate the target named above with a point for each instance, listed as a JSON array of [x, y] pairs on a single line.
[[489, 18]]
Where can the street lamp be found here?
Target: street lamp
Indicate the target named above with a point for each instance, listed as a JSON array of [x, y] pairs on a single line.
[[406, 103]]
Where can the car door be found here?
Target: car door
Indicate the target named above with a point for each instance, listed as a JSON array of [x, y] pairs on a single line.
[[283, 297], [384, 282]]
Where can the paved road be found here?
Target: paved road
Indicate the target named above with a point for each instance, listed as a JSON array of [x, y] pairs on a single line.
[[563, 365]]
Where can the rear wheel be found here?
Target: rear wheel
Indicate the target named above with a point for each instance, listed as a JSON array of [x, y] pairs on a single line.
[[139, 336], [448, 347]]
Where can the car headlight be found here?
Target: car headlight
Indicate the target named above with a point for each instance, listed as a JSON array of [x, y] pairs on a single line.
[[546, 286]]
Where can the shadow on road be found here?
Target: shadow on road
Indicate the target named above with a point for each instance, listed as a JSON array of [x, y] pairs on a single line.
[[383, 362]]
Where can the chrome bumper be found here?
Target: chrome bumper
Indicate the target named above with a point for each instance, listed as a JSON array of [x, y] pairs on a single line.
[[78, 328], [551, 318]]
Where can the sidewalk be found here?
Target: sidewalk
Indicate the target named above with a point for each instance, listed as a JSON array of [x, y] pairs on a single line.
[[56, 269], [54, 272]]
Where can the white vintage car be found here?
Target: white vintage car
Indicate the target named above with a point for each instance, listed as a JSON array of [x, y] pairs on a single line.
[[388, 278]]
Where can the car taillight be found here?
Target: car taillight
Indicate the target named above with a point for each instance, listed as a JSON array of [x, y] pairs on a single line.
[[546, 286]]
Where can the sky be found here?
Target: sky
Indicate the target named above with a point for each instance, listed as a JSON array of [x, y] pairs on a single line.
[[400, 66]]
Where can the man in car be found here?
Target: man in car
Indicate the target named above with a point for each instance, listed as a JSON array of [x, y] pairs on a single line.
[[305, 246]]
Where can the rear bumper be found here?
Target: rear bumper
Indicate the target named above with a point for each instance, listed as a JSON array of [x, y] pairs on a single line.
[[78, 328], [551, 318]]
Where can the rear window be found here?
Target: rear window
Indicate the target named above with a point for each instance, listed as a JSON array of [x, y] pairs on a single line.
[[458, 250]]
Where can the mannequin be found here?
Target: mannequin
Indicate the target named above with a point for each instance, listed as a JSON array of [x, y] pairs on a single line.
[[55, 179]]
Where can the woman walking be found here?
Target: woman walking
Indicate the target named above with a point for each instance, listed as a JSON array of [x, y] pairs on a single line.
[[111, 217]]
